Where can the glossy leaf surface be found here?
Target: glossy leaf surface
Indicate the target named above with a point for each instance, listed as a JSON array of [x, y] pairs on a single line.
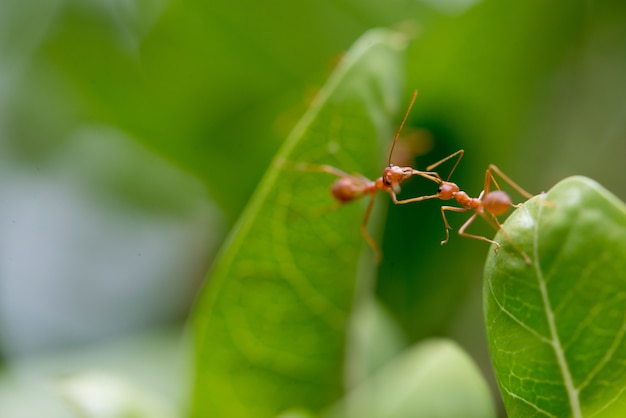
[[556, 327]]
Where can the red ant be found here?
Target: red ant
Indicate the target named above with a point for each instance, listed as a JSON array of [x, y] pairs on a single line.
[[348, 187], [489, 204]]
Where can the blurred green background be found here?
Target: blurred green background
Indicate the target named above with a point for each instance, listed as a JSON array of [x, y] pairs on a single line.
[[132, 133]]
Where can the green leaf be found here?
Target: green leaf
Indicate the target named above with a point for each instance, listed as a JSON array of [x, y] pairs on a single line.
[[556, 327], [432, 379], [270, 326]]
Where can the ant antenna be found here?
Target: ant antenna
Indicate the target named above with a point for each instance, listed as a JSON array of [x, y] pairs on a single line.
[[406, 114]]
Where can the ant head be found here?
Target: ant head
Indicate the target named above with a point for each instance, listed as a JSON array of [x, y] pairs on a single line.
[[447, 190], [394, 175]]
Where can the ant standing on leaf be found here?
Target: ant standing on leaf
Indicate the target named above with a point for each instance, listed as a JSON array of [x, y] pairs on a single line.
[[489, 204], [348, 187]]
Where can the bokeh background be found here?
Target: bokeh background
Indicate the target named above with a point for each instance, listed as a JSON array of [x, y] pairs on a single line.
[[132, 133]]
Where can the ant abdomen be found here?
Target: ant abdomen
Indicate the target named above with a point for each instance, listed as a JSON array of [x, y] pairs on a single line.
[[346, 189], [497, 202]]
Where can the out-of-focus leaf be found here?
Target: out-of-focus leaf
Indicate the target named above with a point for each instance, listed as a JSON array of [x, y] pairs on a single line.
[[556, 327], [270, 327], [97, 394], [374, 339], [208, 85], [434, 379]]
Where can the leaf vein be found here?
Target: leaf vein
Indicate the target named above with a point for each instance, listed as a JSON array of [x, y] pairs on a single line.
[[516, 319], [607, 356], [317, 302], [611, 401], [529, 403]]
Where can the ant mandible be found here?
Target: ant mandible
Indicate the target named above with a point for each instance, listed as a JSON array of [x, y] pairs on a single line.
[[489, 204], [348, 187]]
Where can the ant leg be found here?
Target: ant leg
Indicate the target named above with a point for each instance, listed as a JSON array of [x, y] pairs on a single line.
[[493, 221], [445, 220], [489, 177], [479, 237], [323, 168], [372, 243], [496, 224], [430, 175], [413, 199], [438, 163]]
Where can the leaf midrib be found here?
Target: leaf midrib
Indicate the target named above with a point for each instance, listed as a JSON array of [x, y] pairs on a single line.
[[555, 342]]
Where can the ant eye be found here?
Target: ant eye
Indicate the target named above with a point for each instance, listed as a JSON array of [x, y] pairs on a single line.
[[439, 189]]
